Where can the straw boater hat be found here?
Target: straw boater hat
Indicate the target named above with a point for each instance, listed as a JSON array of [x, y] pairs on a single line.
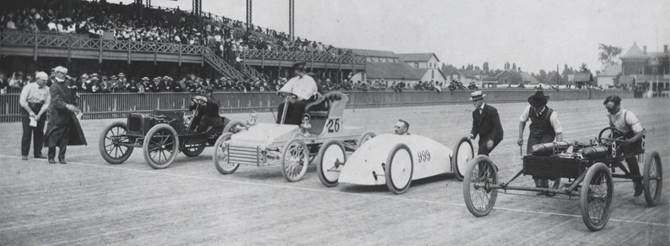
[[477, 95], [538, 99]]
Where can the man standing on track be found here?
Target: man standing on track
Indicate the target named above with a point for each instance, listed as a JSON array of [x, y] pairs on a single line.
[[544, 127], [629, 125], [63, 127], [304, 88], [35, 101], [485, 123]]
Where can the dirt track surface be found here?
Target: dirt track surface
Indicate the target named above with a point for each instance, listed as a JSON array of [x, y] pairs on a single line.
[[89, 202]]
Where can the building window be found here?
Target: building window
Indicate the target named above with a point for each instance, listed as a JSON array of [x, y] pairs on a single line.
[[432, 74]]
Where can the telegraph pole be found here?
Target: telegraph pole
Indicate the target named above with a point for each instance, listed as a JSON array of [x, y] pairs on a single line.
[[291, 19]]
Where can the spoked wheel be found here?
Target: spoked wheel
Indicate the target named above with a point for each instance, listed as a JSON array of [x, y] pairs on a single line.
[[114, 145], [234, 126], [332, 157], [364, 138], [652, 179], [294, 160], [463, 153], [596, 197], [192, 150], [399, 169], [220, 157], [160, 146], [477, 192]]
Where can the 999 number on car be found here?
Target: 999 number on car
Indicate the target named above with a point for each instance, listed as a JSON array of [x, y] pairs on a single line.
[[423, 156]]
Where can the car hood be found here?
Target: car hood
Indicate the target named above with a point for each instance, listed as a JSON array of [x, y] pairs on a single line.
[[264, 134]]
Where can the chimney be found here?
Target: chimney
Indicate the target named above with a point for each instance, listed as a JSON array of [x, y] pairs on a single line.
[[665, 48], [644, 48]]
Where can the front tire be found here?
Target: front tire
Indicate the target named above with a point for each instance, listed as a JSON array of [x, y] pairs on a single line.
[[221, 158], [364, 138], [477, 192], [399, 169], [160, 146], [652, 179], [332, 157], [114, 145], [463, 153], [596, 196], [294, 160]]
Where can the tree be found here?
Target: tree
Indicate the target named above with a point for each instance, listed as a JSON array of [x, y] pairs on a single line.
[[485, 66], [607, 54]]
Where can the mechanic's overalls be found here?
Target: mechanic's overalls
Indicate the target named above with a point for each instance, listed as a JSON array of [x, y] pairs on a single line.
[[541, 131]]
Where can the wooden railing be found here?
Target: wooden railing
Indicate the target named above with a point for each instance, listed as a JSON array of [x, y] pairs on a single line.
[[323, 56]]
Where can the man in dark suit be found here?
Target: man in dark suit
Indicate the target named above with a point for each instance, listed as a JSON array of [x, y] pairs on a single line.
[[485, 123]]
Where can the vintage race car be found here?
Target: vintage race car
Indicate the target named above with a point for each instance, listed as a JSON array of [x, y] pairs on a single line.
[[394, 160]]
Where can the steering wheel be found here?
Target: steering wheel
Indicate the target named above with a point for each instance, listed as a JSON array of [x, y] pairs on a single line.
[[607, 135]]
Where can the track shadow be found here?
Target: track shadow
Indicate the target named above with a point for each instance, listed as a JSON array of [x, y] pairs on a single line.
[[382, 188]]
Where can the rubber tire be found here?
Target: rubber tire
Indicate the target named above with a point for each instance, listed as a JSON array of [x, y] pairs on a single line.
[[231, 124], [305, 160], [389, 166], [362, 138], [652, 199], [319, 165], [454, 165], [145, 146], [215, 157], [583, 197], [195, 153], [467, 180], [103, 151]]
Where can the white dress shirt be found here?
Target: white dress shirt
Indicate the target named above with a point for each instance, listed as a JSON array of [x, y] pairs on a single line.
[[302, 86]]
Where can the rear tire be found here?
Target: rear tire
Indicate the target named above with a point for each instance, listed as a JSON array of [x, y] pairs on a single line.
[[160, 146], [399, 169], [652, 180], [596, 196], [480, 175], [463, 153], [332, 157]]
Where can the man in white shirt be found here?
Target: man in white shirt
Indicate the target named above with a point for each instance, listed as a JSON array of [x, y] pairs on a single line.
[[34, 100], [632, 132], [544, 128], [304, 88]]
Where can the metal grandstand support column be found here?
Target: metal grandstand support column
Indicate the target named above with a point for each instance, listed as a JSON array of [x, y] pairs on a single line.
[[291, 19], [249, 14], [197, 7]]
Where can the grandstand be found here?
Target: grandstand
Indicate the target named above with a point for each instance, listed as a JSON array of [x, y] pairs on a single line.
[[137, 40]]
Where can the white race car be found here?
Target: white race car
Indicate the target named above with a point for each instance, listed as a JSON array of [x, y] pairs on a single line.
[[394, 160]]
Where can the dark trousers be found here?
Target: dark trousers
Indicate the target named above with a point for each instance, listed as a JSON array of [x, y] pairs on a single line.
[[537, 138], [483, 149], [64, 134], [37, 133], [294, 113]]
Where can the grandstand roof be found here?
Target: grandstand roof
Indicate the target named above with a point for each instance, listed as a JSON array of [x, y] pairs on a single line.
[[374, 53], [384, 70], [417, 56]]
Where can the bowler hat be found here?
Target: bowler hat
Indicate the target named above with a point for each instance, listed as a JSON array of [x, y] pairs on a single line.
[[299, 64]]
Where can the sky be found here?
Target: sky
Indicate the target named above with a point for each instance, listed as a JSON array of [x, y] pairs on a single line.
[[539, 34]]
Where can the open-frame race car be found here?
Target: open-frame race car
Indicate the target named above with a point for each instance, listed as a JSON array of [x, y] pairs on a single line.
[[291, 146], [161, 135], [394, 160], [588, 169]]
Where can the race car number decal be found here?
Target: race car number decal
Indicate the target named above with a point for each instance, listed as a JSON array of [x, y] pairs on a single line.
[[423, 156], [333, 125]]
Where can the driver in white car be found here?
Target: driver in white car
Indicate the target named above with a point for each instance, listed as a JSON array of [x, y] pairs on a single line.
[[305, 90], [401, 127]]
